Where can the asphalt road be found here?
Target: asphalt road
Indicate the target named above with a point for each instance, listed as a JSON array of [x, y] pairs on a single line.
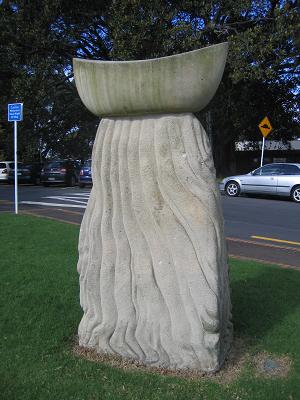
[[266, 229], [269, 217]]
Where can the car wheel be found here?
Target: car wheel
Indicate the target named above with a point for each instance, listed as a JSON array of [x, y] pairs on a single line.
[[37, 181], [81, 185], [295, 194], [45, 184], [232, 189]]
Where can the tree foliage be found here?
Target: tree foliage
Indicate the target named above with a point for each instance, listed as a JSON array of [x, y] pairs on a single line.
[[39, 39]]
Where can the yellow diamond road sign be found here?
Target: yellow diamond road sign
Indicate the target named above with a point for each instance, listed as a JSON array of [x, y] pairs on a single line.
[[265, 127]]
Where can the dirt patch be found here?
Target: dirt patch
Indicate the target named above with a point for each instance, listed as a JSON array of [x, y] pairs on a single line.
[[271, 366], [229, 371]]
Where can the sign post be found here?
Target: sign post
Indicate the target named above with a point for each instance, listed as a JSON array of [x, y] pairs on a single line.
[[265, 127], [15, 114]]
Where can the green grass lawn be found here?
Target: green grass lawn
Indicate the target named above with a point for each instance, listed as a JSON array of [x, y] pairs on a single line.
[[40, 313]]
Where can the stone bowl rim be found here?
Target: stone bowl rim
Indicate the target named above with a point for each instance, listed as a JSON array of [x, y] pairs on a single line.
[[222, 44]]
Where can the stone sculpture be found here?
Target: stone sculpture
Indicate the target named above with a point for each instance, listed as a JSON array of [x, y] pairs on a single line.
[[152, 254]]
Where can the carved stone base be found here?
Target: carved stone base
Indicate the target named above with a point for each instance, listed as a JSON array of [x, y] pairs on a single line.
[[152, 254]]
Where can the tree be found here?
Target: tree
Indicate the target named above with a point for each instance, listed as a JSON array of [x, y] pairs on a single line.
[[262, 71], [39, 39]]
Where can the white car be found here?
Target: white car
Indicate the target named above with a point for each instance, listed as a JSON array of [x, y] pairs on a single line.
[[275, 179], [5, 167]]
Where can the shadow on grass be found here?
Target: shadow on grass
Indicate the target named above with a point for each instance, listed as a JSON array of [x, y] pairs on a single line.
[[264, 299]]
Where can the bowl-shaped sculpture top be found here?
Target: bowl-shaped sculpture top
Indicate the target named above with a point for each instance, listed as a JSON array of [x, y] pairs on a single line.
[[181, 83]]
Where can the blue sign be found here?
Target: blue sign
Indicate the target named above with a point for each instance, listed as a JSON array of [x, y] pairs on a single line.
[[15, 112]]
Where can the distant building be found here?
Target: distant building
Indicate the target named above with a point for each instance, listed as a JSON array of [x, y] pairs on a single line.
[[248, 153]]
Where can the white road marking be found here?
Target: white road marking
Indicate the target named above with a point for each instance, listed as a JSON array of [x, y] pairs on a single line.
[[79, 194], [67, 198], [54, 204]]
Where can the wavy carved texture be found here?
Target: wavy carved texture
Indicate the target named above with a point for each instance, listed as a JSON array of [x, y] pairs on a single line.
[[152, 254]]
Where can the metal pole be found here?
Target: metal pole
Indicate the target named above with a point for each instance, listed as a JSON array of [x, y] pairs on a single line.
[[16, 167], [262, 152]]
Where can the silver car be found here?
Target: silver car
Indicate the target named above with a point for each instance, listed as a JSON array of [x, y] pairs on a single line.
[[275, 179], [5, 167]]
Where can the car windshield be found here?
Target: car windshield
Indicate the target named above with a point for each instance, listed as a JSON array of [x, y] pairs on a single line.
[[2, 165], [55, 164], [87, 164]]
